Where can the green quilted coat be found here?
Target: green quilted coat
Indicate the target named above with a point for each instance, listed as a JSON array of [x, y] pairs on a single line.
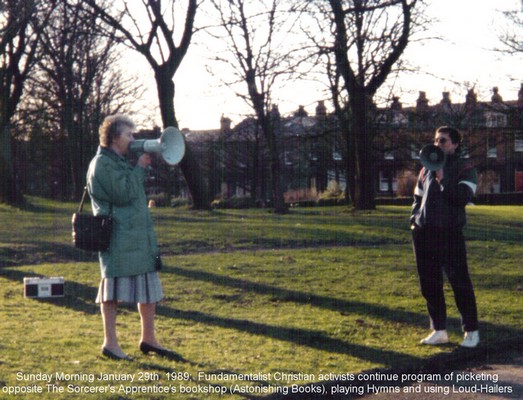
[[117, 188]]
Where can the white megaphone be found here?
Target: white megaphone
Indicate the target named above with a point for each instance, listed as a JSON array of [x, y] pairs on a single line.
[[432, 157], [170, 145]]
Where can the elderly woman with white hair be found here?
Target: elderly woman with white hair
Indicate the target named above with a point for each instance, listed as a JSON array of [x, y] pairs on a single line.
[[129, 268]]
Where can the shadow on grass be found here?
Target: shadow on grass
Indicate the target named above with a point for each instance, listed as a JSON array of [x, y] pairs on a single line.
[[493, 233], [40, 252], [303, 337], [289, 295], [80, 297]]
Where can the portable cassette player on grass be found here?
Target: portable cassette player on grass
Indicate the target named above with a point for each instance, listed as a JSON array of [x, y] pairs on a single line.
[[36, 287]]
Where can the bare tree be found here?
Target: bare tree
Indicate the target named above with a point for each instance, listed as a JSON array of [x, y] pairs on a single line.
[[363, 42], [21, 22], [510, 35], [157, 44], [254, 35], [244, 160], [76, 80]]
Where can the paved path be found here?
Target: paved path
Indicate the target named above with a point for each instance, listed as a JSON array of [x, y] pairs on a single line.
[[497, 381], [463, 376]]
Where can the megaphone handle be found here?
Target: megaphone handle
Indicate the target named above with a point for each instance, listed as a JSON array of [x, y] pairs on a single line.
[[144, 163]]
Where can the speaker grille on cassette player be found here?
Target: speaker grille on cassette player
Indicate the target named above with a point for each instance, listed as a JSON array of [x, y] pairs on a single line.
[[43, 287]]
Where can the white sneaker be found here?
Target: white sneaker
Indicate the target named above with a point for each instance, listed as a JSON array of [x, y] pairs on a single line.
[[436, 337], [471, 339]]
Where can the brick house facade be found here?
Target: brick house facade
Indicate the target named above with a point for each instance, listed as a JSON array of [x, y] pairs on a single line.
[[311, 155]]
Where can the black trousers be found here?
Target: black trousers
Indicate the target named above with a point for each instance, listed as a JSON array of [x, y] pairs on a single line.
[[443, 250]]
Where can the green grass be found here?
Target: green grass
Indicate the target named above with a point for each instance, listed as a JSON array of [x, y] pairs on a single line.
[[320, 290]]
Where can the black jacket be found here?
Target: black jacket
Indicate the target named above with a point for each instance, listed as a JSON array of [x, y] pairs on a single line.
[[442, 205]]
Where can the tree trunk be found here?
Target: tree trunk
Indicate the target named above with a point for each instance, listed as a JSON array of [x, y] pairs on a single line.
[[276, 178], [277, 186], [361, 131], [10, 192], [350, 163], [194, 176]]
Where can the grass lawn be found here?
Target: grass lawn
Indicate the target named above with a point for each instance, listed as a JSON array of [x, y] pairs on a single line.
[[253, 299]]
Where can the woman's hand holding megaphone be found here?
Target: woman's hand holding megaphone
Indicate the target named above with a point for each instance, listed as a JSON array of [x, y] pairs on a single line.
[[144, 160], [439, 175]]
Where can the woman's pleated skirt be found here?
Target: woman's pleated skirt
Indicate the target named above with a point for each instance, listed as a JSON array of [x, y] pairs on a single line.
[[145, 288]]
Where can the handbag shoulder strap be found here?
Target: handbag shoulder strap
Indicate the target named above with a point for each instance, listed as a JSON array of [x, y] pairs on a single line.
[[81, 206]]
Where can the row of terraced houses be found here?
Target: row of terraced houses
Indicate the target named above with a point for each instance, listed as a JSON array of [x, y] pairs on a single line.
[[312, 159]]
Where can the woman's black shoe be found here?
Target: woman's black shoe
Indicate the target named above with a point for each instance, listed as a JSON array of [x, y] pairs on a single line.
[[109, 354], [146, 348]]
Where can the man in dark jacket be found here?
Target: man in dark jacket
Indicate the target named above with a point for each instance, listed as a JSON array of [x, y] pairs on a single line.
[[437, 221]]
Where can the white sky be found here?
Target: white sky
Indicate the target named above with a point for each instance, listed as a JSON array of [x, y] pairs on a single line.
[[463, 59]]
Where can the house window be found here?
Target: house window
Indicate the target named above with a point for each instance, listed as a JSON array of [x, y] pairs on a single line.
[[496, 185], [288, 159], [518, 143], [336, 154], [387, 178], [492, 152], [313, 155], [489, 182], [496, 120], [414, 152]]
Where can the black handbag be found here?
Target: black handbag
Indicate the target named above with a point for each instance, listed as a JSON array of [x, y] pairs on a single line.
[[91, 233]]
